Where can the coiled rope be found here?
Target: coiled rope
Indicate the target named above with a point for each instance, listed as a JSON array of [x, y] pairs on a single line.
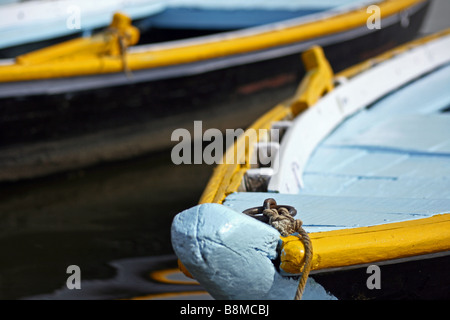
[[282, 219]]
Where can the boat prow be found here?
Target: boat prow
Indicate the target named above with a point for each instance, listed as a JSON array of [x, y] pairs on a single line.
[[364, 157], [233, 255]]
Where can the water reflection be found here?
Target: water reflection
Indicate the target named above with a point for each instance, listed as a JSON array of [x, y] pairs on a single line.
[[132, 280], [94, 218]]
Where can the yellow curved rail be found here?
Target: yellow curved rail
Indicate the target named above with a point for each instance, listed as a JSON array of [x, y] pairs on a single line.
[[317, 81], [77, 65]]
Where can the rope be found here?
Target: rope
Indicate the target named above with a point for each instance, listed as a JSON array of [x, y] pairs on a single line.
[[123, 39], [123, 45], [285, 223]]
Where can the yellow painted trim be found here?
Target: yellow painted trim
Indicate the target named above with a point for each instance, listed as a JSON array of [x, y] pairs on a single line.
[[348, 247], [107, 42], [75, 65], [317, 81], [223, 181]]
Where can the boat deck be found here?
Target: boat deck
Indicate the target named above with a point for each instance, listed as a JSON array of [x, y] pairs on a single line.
[[387, 163]]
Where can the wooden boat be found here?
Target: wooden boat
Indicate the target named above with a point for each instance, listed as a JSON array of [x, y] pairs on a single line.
[[112, 96], [366, 166]]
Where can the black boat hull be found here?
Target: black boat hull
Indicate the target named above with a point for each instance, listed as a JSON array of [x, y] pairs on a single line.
[[422, 279], [55, 125]]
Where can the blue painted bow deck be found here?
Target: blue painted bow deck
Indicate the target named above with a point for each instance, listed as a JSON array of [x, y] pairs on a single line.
[[387, 163]]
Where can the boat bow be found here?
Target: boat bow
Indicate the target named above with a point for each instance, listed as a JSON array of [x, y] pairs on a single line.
[[233, 255]]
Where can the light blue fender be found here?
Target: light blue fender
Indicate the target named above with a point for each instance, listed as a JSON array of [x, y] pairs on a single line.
[[230, 255]]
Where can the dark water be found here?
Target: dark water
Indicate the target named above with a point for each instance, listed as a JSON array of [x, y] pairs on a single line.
[[101, 219]]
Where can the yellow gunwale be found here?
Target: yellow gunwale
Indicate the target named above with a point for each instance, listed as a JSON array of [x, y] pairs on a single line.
[[364, 245], [74, 65], [346, 247]]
